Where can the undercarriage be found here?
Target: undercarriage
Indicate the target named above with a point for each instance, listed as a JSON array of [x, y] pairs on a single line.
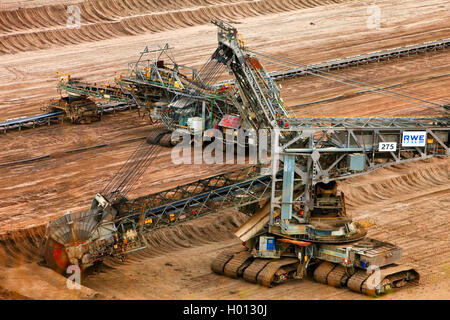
[[372, 281]]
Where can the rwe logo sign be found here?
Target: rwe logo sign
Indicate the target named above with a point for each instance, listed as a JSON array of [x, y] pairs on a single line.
[[414, 138]]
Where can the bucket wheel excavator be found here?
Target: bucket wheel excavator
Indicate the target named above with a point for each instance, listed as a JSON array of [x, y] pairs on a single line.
[[306, 227], [84, 238], [324, 244], [298, 223]]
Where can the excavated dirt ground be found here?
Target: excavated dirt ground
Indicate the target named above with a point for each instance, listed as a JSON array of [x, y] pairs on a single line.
[[408, 205]]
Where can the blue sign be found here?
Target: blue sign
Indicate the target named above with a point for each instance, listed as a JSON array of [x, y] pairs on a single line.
[[414, 138]]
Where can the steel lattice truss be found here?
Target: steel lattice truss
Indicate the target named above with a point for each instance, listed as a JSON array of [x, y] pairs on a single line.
[[262, 105], [442, 122], [318, 151], [364, 59], [314, 150], [229, 190]]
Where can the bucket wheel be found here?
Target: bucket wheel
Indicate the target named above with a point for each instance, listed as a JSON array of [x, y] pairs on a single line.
[[63, 233], [55, 256]]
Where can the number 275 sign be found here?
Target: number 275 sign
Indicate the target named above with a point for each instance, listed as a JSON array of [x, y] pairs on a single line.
[[387, 146]]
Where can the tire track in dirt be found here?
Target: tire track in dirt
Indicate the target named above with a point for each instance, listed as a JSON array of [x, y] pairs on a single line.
[[44, 27]]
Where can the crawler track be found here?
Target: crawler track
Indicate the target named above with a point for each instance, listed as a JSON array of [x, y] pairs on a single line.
[[234, 268], [55, 117], [268, 272], [423, 236], [275, 272]]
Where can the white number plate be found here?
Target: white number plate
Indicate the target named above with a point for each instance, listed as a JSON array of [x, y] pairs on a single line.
[[387, 146]]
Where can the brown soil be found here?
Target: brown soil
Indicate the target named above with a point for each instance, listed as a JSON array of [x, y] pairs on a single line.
[[408, 204]]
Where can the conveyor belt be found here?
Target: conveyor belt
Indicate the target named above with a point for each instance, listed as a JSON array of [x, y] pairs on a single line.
[[358, 60], [233, 195], [376, 56], [119, 103], [31, 121], [49, 118], [368, 123], [86, 89]]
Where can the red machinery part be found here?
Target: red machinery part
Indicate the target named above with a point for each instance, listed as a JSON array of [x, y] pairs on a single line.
[[56, 257]]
